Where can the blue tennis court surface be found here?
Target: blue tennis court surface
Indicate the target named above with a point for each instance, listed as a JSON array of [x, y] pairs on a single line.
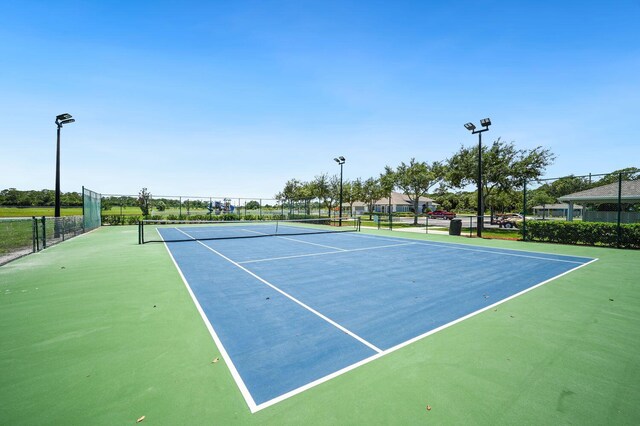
[[289, 312]]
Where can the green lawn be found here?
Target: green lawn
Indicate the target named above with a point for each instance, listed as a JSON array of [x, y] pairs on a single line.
[[100, 330], [38, 211]]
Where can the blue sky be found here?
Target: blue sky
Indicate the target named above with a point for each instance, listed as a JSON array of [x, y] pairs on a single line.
[[233, 98]]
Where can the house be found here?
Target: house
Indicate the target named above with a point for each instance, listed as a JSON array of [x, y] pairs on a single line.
[[624, 192], [400, 203]]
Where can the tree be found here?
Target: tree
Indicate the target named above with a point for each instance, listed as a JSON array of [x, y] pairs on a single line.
[[144, 201], [334, 192], [504, 168], [566, 185], [252, 205], [387, 184], [415, 179], [370, 192], [322, 190], [541, 197], [348, 195]]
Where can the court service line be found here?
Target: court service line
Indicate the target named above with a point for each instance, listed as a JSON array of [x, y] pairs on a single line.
[[489, 250], [324, 253], [299, 241], [290, 297]]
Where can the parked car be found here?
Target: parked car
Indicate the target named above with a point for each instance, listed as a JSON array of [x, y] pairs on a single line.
[[441, 214], [508, 220]]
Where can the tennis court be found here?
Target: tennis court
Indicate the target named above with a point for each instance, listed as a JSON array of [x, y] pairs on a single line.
[[292, 311], [102, 330]]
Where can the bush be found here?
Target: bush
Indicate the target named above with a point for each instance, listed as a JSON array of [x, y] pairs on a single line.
[[585, 233]]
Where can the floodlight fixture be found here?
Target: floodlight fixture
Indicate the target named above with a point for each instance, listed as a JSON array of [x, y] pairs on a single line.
[[60, 120], [470, 127], [340, 160], [485, 122]]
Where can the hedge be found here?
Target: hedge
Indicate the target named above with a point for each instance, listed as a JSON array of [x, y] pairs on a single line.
[[585, 233]]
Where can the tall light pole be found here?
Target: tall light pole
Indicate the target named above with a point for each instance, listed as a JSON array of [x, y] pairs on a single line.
[[485, 123], [340, 160], [60, 120]]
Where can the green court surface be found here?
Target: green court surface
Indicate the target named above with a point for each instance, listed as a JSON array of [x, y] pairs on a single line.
[[101, 330]]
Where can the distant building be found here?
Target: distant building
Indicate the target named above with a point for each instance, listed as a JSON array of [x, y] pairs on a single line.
[[610, 194], [400, 203], [557, 210]]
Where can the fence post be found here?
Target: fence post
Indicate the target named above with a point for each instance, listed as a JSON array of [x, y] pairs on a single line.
[[619, 227], [44, 233], [524, 211], [36, 243]]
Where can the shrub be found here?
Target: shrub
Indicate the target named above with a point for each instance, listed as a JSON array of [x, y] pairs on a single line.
[[585, 233]]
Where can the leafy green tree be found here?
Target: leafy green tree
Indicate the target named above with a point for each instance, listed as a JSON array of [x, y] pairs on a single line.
[[348, 196], [415, 179], [144, 201], [253, 205], [387, 184], [504, 167], [566, 185], [628, 173], [370, 191], [540, 197], [322, 190]]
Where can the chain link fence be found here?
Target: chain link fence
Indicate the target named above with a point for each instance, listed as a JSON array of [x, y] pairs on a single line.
[[22, 236]]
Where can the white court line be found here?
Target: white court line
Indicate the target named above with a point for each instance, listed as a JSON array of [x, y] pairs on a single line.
[[408, 342], [223, 352], [254, 408], [324, 253], [287, 295], [489, 250], [298, 241]]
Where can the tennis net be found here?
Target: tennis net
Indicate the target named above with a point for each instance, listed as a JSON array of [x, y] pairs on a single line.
[[188, 230]]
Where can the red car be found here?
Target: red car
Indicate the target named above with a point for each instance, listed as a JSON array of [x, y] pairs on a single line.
[[441, 214]]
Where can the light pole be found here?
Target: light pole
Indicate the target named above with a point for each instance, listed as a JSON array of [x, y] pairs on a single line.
[[60, 120], [340, 160], [485, 123]]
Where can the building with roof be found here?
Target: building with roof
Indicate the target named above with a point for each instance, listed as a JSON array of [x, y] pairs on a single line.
[[400, 203], [626, 193], [557, 210]]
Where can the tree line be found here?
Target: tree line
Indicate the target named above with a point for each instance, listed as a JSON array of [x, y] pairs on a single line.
[[43, 198], [505, 169]]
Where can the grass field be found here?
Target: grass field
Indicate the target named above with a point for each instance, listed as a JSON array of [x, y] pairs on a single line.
[[16, 234], [99, 330], [38, 211]]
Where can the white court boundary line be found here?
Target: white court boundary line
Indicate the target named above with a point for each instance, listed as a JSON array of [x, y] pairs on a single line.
[[253, 407], [489, 250], [223, 352]]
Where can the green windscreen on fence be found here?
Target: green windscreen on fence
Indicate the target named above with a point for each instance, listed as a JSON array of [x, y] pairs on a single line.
[[91, 209]]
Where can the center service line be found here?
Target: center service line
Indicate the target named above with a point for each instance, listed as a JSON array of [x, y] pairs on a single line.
[[287, 295]]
